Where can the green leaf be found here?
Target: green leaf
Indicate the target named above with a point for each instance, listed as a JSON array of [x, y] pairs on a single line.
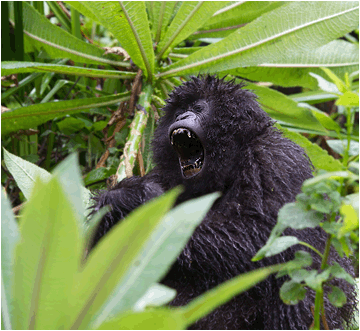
[[70, 125], [294, 70], [34, 115], [14, 67], [338, 82], [322, 117], [9, 238], [60, 15], [337, 297], [112, 259], [338, 271], [156, 295], [313, 97], [292, 215], [81, 8], [295, 27], [318, 156], [162, 12], [315, 280], [327, 175], [47, 259], [349, 98], [96, 175], [351, 220], [69, 174], [339, 146], [325, 85], [232, 16], [157, 254], [127, 20], [57, 42], [154, 319], [190, 16], [281, 244], [300, 275], [291, 292], [302, 260], [25, 173], [282, 108], [353, 200]]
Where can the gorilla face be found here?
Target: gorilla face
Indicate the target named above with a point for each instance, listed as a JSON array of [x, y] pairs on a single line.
[[187, 137]]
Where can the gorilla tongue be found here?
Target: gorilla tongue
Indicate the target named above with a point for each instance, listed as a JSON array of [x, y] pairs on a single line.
[[190, 151]]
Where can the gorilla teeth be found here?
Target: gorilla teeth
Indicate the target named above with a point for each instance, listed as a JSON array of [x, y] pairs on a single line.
[[190, 151]]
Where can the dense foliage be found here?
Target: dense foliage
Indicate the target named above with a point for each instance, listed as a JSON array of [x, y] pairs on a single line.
[[91, 78]]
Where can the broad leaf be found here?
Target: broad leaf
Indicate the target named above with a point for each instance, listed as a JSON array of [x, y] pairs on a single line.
[[337, 297], [24, 172], [162, 12], [69, 174], [127, 20], [190, 16], [157, 254], [322, 117], [292, 27], [233, 16], [292, 215], [46, 259], [156, 295], [325, 85], [9, 238], [57, 42], [281, 244], [339, 146], [283, 109], [318, 156], [155, 319], [31, 116], [13, 67], [340, 55], [291, 292], [348, 99], [112, 259]]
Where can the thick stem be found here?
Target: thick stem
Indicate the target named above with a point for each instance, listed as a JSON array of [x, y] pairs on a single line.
[[318, 301], [319, 297], [138, 125]]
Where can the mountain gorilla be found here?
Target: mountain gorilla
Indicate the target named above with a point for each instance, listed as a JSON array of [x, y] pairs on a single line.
[[215, 137]]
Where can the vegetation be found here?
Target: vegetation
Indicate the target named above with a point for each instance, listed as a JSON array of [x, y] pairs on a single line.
[[90, 77]]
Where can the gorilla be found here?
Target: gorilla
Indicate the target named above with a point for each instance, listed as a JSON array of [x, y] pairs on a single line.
[[214, 136]]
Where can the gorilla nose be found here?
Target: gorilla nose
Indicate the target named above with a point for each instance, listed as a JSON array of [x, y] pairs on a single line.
[[186, 116]]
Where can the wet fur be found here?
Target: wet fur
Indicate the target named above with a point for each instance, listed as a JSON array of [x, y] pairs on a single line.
[[258, 171]]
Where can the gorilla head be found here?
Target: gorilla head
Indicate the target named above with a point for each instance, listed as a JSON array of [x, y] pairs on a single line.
[[207, 126]]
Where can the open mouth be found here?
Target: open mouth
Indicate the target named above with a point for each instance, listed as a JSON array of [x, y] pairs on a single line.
[[190, 151]]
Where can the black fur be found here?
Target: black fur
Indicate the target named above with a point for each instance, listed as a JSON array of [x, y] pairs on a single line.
[[258, 171]]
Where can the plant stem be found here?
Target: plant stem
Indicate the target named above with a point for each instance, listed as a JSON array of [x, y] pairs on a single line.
[[319, 297], [326, 252], [311, 247], [127, 160], [318, 301]]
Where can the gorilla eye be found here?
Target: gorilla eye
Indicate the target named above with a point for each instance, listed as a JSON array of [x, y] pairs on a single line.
[[197, 108]]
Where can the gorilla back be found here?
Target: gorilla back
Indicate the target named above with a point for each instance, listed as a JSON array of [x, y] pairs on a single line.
[[215, 137]]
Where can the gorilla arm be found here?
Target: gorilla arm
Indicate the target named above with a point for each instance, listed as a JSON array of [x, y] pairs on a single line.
[[127, 195]]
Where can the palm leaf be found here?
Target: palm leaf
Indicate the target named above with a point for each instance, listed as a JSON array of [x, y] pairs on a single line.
[[295, 27], [127, 20]]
